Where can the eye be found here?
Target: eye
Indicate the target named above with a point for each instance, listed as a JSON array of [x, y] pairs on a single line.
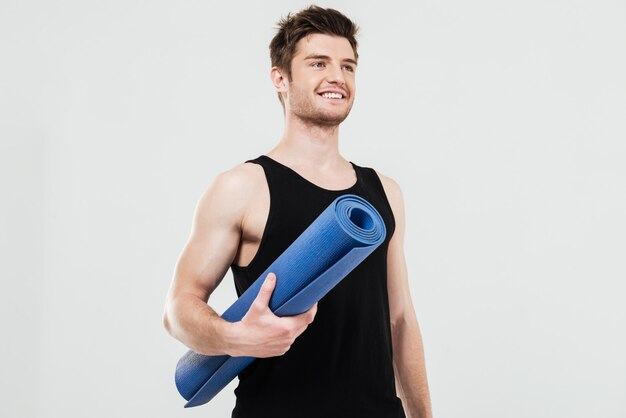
[[318, 62], [350, 68]]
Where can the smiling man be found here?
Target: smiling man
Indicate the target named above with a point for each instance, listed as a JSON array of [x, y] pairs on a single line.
[[359, 347]]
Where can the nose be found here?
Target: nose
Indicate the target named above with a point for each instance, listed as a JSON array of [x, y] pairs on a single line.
[[335, 75]]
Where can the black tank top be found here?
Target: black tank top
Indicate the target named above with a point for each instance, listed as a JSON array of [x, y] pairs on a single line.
[[341, 366]]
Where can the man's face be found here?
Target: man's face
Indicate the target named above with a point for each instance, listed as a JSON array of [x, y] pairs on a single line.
[[322, 63]]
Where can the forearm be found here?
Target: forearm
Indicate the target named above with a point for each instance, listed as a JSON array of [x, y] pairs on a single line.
[[194, 323], [409, 363]]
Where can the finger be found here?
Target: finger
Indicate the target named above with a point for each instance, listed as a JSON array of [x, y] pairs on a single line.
[[309, 315], [301, 319], [265, 293], [313, 312]]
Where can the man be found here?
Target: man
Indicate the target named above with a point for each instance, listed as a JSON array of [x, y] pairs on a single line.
[[364, 343]]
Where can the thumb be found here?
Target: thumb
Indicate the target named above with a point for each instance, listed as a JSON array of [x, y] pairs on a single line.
[[265, 293]]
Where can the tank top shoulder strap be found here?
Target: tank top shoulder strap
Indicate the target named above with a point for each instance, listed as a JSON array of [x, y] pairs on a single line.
[[374, 187], [260, 160], [272, 173]]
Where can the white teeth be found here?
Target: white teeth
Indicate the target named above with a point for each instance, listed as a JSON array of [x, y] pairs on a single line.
[[332, 95]]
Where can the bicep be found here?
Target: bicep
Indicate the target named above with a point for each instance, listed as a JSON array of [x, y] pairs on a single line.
[[213, 242]]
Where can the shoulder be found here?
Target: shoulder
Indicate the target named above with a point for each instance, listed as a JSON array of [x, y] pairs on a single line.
[[231, 191], [242, 178], [396, 201], [393, 192]]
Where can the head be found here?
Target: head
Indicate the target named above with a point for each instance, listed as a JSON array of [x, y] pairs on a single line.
[[313, 51]]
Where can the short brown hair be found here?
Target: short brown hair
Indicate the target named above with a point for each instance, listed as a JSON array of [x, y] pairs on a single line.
[[313, 19]]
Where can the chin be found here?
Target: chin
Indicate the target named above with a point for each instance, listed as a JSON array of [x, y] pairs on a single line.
[[331, 120]]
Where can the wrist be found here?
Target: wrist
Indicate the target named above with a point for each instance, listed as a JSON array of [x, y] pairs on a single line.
[[231, 332]]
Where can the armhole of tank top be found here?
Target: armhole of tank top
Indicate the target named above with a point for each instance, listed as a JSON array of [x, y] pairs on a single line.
[[267, 223], [384, 194]]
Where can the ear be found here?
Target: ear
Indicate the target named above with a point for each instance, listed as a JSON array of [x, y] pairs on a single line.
[[279, 81]]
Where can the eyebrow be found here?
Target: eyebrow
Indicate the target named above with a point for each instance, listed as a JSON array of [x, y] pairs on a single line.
[[326, 57]]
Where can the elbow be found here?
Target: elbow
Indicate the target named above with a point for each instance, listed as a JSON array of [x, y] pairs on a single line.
[[167, 318], [396, 324], [166, 322]]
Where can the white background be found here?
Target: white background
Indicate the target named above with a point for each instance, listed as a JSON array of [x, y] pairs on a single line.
[[503, 122]]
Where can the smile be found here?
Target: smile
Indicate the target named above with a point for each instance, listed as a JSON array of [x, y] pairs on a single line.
[[333, 97]]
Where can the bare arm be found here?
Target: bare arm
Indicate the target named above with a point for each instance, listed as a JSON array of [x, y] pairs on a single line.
[[204, 261], [408, 350]]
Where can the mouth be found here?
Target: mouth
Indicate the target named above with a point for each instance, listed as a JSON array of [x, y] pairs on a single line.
[[332, 97]]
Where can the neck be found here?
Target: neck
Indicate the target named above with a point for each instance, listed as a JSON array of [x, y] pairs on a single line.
[[310, 144]]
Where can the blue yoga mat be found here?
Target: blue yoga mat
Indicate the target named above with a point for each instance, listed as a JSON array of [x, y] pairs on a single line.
[[341, 237]]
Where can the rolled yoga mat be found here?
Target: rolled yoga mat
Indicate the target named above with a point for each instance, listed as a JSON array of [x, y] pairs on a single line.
[[341, 237]]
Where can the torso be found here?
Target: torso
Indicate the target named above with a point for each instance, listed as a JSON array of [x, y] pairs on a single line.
[[327, 362]]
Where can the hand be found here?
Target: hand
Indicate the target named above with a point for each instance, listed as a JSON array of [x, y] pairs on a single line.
[[261, 334]]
